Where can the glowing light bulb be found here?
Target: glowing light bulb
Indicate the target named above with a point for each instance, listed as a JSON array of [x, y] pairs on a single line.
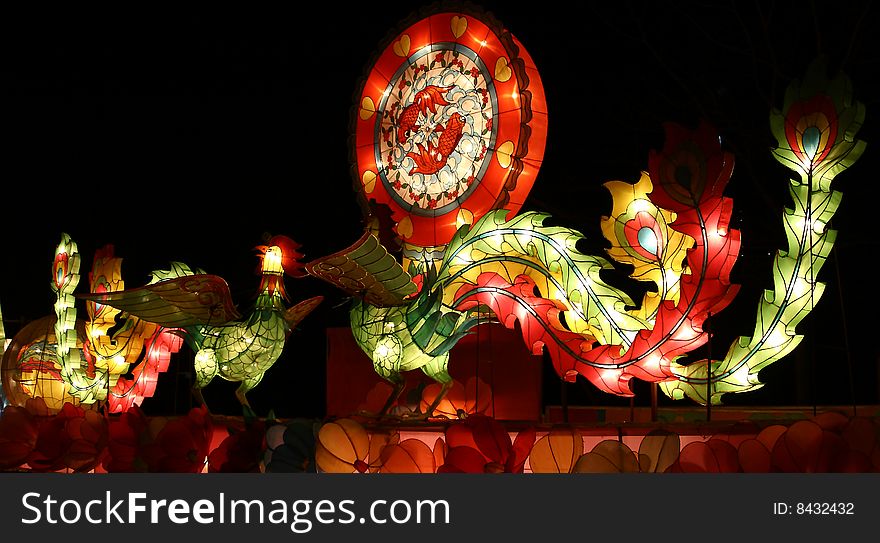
[[640, 205], [777, 337], [670, 277], [800, 288]]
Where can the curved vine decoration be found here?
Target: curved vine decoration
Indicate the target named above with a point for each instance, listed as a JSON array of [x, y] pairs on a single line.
[[815, 133], [691, 173], [87, 380], [547, 255]]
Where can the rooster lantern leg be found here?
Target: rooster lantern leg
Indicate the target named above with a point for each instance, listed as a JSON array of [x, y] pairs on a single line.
[[236, 350]]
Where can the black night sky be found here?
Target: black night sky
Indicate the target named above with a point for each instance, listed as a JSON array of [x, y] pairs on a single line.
[[187, 135]]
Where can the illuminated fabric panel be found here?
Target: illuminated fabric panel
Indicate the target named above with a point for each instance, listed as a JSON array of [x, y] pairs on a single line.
[[523, 246]]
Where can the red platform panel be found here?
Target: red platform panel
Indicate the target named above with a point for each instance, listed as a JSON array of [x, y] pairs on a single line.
[[508, 384]]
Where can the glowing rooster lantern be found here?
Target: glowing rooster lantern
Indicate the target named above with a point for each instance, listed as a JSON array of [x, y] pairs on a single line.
[[398, 329], [244, 351], [200, 304]]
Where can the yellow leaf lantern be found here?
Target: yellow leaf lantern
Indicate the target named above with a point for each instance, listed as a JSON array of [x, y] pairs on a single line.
[[640, 235]]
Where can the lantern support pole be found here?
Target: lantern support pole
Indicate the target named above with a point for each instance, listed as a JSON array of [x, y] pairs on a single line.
[[849, 362], [708, 329], [564, 398], [653, 402]]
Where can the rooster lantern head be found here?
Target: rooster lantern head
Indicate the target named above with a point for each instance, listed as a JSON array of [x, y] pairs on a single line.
[[277, 257]]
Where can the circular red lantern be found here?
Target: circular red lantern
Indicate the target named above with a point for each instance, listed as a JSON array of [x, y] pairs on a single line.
[[451, 123]]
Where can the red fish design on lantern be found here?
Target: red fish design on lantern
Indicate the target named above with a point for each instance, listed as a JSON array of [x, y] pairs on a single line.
[[425, 100], [429, 160]]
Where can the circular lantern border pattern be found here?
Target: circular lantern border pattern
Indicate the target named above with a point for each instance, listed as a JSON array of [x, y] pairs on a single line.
[[513, 125]]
